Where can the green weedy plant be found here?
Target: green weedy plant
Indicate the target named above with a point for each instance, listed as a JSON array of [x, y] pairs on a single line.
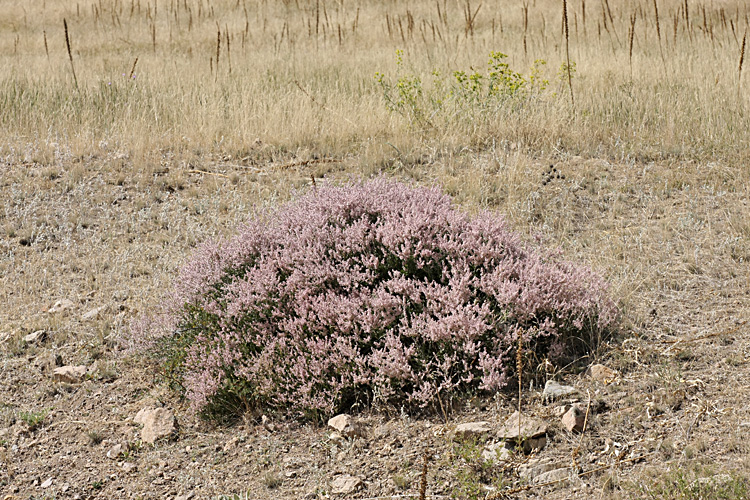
[[462, 94], [33, 419]]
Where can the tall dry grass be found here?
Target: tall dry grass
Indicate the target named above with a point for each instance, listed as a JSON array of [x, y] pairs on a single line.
[[298, 75]]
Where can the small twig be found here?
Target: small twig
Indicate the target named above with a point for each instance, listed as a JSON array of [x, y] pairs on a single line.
[[706, 336], [321, 105], [209, 173], [309, 162]]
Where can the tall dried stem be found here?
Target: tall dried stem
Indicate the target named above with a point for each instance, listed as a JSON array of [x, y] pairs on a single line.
[[70, 53], [742, 60], [567, 51]]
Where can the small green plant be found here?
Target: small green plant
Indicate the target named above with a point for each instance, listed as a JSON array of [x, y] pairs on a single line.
[[462, 94], [33, 419], [473, 472]]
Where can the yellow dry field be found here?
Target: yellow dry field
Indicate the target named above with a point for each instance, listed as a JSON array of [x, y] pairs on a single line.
[[151, 126]]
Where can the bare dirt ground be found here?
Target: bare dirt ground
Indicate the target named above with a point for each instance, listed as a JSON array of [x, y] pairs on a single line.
[[674, 240]]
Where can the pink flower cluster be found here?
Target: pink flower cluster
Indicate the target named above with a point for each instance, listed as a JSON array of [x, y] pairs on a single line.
[[371, 290]]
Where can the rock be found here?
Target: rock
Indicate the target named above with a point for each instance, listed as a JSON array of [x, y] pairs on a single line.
[[94, 313], [346, 426], [343, 485], [559, 411], [471, 429], [70, 374], [574, 419], [530, 427], [532, 433], [556, 475], [157, 423], [114, 452], [602, 373], [61, 306], [336, 438], [534, 468], [47, 483], [35, 337], [267, 424], [553, 390], [496, 451], [46, 363]]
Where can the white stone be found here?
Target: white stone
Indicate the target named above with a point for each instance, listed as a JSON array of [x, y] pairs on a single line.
[[70, 374], [37, 336], [115, 451], [157, 423], [530, 427], [532, 433], [346, 426], [47, 483], [470, 429], [343, 485], [602, 373], [496, 452], [61, 305], [94, 313], [536, 467], [554, 476], [553, 390]]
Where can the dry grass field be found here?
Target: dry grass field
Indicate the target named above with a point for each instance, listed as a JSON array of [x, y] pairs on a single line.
[[160, 124]]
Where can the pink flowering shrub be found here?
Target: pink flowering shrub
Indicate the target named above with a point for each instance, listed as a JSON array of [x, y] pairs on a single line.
[[374, 290]]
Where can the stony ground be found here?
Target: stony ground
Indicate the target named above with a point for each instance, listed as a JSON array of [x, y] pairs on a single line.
[[89, 244]]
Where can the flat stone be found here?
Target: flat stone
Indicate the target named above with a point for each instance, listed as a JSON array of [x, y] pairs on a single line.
[[530, 427], [532, 435], [602, 373], [553, 390], [343, 485], [47, 483], [61, 305], [114, 452], [94, 313], [556, 475], [35, 337], [559, 411], [533, 468], [495, 452], [70, 374], [346, 426], [157, 423], [471, 429], [574, 419]]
